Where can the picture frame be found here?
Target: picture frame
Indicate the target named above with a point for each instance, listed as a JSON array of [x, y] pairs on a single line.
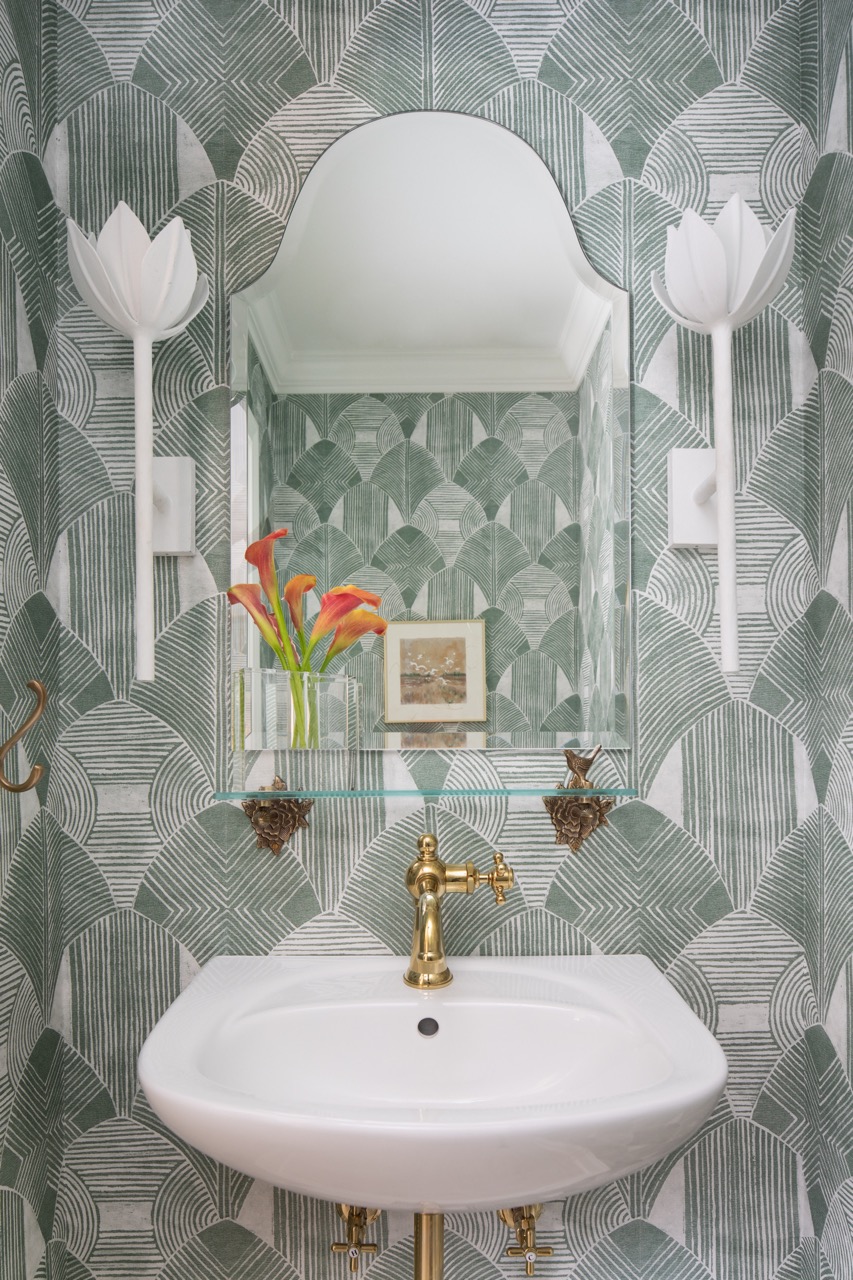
[[439, 740], [435, 671]]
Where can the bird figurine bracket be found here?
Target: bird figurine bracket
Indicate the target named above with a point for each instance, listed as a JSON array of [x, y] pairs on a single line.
[[576, 817], [37, 771]]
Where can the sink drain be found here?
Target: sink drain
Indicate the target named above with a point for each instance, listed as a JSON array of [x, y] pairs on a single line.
[[427, 1026]]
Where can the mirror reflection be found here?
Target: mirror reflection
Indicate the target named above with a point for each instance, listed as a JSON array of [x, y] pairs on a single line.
[[432, 397]]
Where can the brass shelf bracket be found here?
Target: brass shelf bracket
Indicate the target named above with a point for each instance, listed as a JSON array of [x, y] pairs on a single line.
[[357, 1219], [37, 771], [576, 817], [276, 820]]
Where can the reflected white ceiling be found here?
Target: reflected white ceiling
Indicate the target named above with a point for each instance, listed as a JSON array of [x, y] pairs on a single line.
[[429, 251]]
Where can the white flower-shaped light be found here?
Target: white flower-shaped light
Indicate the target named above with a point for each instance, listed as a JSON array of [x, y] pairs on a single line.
[[135, 284], [718, 278], [147, 290], [726, 273]]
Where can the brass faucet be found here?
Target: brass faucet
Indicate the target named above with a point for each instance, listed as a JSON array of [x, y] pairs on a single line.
[[427, 880]]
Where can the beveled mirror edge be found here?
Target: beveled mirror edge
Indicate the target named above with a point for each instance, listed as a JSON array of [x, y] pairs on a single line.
[[241, 328]]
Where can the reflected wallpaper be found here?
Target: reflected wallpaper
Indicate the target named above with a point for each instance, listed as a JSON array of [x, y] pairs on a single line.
[[507, 507], [121, 875]]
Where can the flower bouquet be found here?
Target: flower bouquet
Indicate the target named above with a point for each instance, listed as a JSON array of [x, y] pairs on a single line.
[[346, 614]]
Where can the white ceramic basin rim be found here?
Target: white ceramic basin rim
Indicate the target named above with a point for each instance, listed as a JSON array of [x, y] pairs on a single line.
[[527, 1079]]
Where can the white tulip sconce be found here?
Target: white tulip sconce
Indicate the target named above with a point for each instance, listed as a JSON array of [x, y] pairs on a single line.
[[147, 290], [718, 278]]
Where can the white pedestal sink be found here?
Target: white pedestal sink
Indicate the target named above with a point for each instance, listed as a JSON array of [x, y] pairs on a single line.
[[543, 1077]]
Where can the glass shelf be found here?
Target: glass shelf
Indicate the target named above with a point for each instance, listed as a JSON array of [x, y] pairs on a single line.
[[448, 793]]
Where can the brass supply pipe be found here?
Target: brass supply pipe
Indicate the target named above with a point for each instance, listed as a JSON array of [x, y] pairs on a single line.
[[37, 771], [429, 1246]]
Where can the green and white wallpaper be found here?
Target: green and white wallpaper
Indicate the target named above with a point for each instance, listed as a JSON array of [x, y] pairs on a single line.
[[121, 875], [510, 508]]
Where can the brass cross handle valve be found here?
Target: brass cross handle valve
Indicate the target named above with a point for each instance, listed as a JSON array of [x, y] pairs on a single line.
[[357, 1220], [499, 880], [522, 1221]]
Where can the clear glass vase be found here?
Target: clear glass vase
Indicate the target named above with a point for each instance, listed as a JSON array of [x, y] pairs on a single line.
[[323, 708], [276, 711]]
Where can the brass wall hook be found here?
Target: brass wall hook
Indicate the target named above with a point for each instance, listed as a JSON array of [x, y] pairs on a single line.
[[37, 771]]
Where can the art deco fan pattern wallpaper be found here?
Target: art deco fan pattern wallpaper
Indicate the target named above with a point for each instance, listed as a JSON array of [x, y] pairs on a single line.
[[510, 508], [120, 875]]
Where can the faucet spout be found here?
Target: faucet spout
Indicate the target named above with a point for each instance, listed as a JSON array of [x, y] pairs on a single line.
[[428, 967]]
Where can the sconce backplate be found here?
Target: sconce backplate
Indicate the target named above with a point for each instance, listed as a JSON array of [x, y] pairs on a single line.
[[692, 522], [173, 525]]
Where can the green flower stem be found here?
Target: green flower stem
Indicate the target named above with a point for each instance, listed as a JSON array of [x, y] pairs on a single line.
[[241, 697], [313, 716], [299, 738], [287, 659], [305, 695]]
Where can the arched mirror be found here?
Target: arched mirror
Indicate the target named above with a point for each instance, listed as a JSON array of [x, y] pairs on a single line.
[[432, 397]]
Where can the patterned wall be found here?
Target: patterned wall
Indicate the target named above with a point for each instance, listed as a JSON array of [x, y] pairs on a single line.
[[121, 875], [507, 507]]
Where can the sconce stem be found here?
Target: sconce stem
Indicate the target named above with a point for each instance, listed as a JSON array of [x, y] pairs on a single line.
[[143, 380], [721, 340]]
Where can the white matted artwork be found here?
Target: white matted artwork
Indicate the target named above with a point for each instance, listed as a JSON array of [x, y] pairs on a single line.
[[435, 671]]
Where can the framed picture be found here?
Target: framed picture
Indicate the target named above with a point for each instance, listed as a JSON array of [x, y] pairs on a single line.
[[435, 740], [435, 671]]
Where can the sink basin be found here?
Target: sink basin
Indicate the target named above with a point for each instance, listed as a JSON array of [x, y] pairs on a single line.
[[526, 1080]]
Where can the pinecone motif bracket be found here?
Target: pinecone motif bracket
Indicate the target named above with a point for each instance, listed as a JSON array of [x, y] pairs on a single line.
[[576, 817], [275, 821]]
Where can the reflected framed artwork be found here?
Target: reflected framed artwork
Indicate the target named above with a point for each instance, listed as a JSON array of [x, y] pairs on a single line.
[[441, 739], [435, 671]]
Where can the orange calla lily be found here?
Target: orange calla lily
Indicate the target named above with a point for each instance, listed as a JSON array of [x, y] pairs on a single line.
[[262, 555], [248, 594], [341, 610], [366, 597], [334, 606], [357, 623], [294, 596]]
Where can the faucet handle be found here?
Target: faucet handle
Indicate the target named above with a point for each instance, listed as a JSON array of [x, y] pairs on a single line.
[[357, 1219], [522, 1220], [499, 880]]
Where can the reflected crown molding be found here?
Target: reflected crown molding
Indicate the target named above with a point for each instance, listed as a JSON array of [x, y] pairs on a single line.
[[430, 250]]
